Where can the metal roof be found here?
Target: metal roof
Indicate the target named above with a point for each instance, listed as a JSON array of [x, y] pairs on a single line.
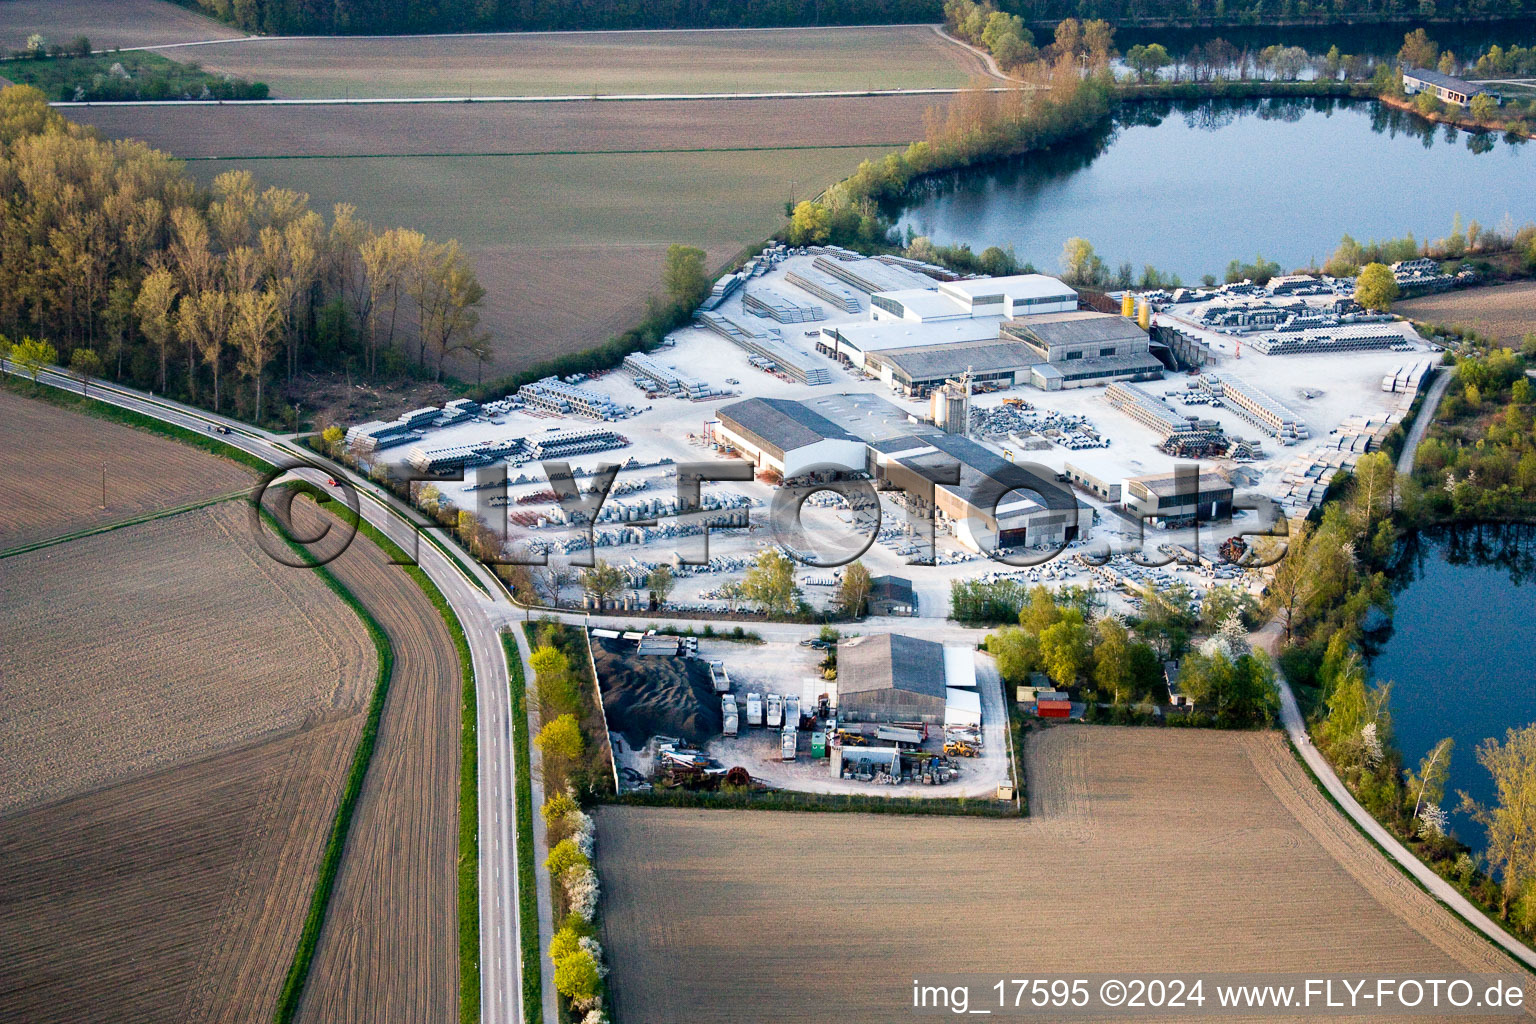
[[1429, 77], [986, 477], [886, 661], [1079, 328], [931, 361], [780, 424]]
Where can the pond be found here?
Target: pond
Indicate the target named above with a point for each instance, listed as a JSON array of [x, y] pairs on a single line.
[[1188, 187], [1459, 655]]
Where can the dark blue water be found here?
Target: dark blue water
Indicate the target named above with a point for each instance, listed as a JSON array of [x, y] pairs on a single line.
[[1460, 653], [1189, 187]]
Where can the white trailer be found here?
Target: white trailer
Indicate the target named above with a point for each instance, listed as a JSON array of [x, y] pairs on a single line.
[[775, 711], [732, 721], [792, 712], [754, 709]]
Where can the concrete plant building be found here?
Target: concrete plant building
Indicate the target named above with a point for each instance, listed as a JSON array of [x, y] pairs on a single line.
[[887, 678], [1177, 499], [786, 437], [1085, 348], [995, 503]]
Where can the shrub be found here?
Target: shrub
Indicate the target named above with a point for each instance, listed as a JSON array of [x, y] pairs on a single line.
[[565, 856]]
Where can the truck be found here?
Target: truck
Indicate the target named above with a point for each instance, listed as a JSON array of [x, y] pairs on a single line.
[[754, 709], [775, 711], [899, 737], [719, 677], [792, 712], [732, 721], [788, 742]]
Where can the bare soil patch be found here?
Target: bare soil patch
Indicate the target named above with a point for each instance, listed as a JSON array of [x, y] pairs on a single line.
[[1507, 311], [178, 717], [173, 896], [109, 24], [160, 644], [389, 948], [51, 464], [495, 128], [1149, 851], [586, 63]]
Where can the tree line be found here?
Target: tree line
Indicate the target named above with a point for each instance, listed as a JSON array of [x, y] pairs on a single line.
[[352, 17], [1333, 588], [1118, 662], [210, 295]]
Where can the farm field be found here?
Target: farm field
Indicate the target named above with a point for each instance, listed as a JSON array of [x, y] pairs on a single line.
[[567, 247], [195, 132], [1506, 311], [109, 24], [389, 947], [588, 63], [159, 681], [52, 459], [172, 770], [1178, 850], [568, 244]]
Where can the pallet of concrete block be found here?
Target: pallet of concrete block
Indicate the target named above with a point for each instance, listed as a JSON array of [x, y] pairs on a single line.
[[378, 435], [823, 287], [766, 302], [1406, 379]]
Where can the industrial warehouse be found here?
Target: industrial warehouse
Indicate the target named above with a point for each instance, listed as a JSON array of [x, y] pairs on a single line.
[[1007, 417], [986, 502], [865, 712]]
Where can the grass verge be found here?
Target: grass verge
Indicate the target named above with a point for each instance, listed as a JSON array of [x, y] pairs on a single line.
[[527, 884], [330, 860]]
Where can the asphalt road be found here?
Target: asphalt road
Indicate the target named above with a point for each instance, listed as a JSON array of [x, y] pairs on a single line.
[[481, 617]]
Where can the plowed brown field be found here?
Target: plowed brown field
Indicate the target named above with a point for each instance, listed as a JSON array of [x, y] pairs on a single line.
[[584, 63], [1149, 851], [107, 23], [51, 463], [177, 718], [1507, 312], [490, 128], [389, 948]]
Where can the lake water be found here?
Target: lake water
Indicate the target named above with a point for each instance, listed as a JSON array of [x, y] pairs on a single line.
[[1188, 187], [1459, 656]]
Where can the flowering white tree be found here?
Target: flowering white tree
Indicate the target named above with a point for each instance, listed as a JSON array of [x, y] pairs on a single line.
[[1432, 821], [1371, 743], [581, 891]]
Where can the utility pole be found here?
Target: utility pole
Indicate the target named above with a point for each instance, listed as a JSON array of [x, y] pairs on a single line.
[[103, 488]]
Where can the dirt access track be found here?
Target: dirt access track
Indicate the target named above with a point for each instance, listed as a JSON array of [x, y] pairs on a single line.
[[1151, 851]]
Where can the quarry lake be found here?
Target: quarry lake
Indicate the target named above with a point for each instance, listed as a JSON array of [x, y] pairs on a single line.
[[1459, 656], [1188, 187]]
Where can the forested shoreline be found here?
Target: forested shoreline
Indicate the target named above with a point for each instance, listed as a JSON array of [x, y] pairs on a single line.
[[358, 17]]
